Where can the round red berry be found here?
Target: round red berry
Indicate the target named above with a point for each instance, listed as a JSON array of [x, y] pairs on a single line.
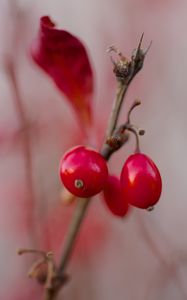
[[141, 181], [114, 198], [83, 171]]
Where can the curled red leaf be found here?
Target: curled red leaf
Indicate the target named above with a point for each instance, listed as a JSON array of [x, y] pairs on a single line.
[[64, 58]]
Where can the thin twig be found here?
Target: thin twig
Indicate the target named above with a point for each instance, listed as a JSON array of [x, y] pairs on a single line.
[[79, 214], [121, 91], [69, 243], [50, 294]]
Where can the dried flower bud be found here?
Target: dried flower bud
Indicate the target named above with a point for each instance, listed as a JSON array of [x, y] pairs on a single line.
[[122, 70]]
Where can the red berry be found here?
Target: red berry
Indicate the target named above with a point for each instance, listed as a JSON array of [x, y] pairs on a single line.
[[114, 198], [141, 181], [83, 171]]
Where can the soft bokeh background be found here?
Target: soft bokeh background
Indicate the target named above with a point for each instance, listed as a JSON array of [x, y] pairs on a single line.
[[145, 256]]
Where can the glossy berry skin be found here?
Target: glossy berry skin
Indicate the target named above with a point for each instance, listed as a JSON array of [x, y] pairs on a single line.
[[141, 181], [83, 171], [114, 198]]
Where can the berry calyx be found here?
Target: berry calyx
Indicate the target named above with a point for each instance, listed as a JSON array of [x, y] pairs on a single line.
[[114, 198], [141, 181], [83, 171]]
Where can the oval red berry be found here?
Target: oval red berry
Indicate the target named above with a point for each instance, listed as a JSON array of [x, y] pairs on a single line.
[[141, 181], [83, 171], [114, 198]]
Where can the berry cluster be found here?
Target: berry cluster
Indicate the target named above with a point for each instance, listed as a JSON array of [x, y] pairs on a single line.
[[84, 173]]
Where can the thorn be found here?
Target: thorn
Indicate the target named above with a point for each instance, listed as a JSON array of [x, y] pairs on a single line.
[[140, 42]]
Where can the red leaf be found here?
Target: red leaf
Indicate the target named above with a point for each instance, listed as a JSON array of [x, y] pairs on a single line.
[[63, 57]]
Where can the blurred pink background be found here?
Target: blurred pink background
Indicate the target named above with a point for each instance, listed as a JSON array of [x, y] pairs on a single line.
[[143, 257]]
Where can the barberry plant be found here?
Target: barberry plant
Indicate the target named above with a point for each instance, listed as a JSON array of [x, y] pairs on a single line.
[[83, 171]]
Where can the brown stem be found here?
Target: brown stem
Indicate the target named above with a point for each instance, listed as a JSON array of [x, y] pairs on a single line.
[[121, 90], [134, 105], [69, 243], [79, 214], [50, 294], [82, 205]]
